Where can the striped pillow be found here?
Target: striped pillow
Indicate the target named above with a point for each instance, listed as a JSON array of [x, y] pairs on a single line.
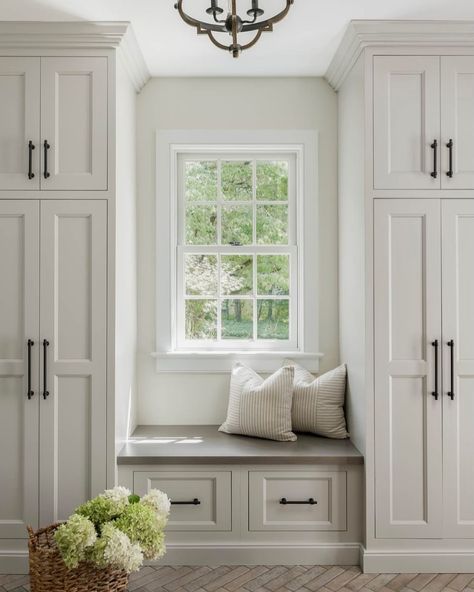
[[258, 407], [318, 403]]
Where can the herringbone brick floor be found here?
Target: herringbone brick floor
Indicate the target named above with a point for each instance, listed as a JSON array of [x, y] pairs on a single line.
[[275, 579]]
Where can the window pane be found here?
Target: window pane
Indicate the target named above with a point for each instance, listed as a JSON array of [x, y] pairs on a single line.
[[237, 319], [201, 225], [272, 225], [237, 225], [272, 180], [201, 180], [236, 180], [201, 319], [236, 274], [273, 319], [200, 272], [273, 275]]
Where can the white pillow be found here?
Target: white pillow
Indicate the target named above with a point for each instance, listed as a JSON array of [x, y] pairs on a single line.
[[318, 403], [260, 408]]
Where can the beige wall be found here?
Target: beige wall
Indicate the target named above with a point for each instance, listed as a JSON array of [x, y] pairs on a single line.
[[227, 103]]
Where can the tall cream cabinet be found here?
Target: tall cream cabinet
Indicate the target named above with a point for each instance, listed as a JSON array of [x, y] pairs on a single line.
[[66, 183], [406, 232]]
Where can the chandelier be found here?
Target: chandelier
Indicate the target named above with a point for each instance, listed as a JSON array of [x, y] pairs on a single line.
[[233, 24]]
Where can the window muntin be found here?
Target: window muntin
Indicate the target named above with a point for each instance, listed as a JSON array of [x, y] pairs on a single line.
[[237, 283]]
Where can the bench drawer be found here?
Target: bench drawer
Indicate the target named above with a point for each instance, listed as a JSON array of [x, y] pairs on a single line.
[[200, 500], [268, 492]]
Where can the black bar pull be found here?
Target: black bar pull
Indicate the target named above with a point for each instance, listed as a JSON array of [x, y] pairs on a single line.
[[31, 147], [194, 502], [450, 145], [45, 369], [435, 393], [285, 502], [46, 147], [30, 392], [434, 146], [451, 391]]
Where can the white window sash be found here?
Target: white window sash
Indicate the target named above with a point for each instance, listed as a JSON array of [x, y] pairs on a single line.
[[170, 145]]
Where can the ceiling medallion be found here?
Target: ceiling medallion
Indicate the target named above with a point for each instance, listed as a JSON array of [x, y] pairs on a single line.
[[233, 24]]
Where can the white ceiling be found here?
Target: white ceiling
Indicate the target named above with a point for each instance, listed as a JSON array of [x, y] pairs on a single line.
[[301, 45]]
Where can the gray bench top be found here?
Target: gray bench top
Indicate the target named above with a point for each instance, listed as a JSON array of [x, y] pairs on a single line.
[[205, 445]]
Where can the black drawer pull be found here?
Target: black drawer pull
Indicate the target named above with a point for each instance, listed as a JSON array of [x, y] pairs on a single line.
[[30, 392], [434, 146], [194, 502], [435, 393], [45, 369], [31, 147], [451, 382], [46, 147], [285, 502], [449, 146]]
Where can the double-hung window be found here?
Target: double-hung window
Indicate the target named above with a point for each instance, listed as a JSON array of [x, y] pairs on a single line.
[[237, 251]]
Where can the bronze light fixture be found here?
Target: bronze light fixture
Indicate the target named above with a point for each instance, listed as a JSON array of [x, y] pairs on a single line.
[[233, 24]]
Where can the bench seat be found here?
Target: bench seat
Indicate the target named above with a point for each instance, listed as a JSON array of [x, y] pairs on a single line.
[[206, 445]]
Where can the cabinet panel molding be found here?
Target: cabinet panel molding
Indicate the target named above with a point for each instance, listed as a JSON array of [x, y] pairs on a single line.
[[407, 276]]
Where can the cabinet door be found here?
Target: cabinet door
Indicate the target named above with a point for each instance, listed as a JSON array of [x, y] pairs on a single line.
[[408, 444], [457, 122], [19, 322], [19, 122], [406, 121], [458, 326], [74, 123], [73, 321]]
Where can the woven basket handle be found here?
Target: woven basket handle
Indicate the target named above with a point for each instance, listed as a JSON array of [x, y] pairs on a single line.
[[31, 537]]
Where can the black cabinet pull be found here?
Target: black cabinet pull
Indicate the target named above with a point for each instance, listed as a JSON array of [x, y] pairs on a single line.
[[45, 369], [434, 146], [46, 147], [451, 391], [450, 145], [435, 393], [194, 502], [31, 147], [285, 502], [30, 392]]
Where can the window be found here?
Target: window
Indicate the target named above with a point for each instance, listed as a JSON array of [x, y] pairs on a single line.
[[237, 253], [237, 258]]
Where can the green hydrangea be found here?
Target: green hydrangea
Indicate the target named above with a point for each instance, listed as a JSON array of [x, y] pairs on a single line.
[[100, 509], [74, 538], [141, 524]]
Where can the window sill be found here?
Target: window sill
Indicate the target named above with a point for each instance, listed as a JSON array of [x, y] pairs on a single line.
[[210, 362]]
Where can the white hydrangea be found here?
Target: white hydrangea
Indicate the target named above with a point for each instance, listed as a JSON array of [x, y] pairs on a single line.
[[118, 494], [119, 551], [159, 501]]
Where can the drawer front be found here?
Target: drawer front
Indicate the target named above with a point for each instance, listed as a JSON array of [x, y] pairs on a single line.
[[320, 498], [200, 500]]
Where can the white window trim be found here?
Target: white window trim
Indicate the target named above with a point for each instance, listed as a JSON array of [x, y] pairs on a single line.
[[169, 144]]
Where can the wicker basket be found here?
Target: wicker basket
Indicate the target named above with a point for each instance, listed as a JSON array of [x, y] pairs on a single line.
[[48, 572]]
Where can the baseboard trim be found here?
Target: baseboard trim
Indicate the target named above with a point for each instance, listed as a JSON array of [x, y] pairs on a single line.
[[336, 554], [14, 563], [416, 562]]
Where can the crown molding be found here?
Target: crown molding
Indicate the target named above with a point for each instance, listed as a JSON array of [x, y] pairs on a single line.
[[79, 35], [362, 34]]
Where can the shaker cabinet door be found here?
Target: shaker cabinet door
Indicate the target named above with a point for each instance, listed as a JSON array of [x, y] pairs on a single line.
[[406, 122], [19, 123], [19, 397], [74, 123], [73, 317], [457, 122], [408, 435], [458, 366]]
